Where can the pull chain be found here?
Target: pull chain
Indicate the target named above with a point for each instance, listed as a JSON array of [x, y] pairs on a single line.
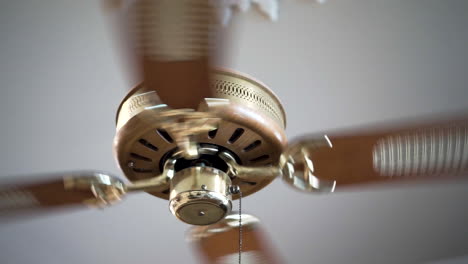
[[240, 226], [235, 189]]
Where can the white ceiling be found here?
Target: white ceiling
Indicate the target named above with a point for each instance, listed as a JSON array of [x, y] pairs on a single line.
[[335, 65]]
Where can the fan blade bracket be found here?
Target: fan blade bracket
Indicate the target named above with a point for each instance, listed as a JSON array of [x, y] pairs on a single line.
[[249, 174], [155, 184], [106, 189], [297, 168]]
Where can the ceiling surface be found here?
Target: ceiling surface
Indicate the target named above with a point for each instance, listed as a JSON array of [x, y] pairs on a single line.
[[341, 64]]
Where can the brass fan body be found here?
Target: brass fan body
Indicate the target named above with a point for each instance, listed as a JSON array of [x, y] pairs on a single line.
[[250, 130]]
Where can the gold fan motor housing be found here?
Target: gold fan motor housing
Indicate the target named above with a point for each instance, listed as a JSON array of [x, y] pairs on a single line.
[[251, 128]]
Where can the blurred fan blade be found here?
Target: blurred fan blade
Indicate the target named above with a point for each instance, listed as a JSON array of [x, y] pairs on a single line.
[[175, 41], [59, 191], [433, 151], [219, 243]]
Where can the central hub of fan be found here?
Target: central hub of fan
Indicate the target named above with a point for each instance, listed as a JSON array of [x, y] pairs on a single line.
[[199, 188], [200, 195], [249, 125]]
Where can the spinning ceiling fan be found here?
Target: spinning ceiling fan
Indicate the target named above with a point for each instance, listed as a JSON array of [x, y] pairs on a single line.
[[201, 136]]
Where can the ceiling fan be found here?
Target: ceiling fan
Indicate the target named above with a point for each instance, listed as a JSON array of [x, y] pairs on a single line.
[[234, 138]]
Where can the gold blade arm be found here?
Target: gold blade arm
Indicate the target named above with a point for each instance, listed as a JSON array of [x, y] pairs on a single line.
[[433, 151], [155, 184]]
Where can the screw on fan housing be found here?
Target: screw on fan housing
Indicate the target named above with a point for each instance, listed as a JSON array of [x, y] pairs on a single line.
[[234, 189]]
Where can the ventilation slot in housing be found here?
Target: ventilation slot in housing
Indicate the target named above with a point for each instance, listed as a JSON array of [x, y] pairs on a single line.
[[212, 133], [140, 157], [145, 143], [261, 158], [252, 146], [163, 133], [236, 135]]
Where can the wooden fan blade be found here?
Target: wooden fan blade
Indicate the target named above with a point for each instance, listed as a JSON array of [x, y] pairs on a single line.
[[174, 39], [432, 151], [219, 243], [59, 191]]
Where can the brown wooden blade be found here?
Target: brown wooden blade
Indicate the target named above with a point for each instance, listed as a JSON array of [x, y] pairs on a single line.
[[59, 191], [219, 243], [51, 193], [174, 42], [431, 151]]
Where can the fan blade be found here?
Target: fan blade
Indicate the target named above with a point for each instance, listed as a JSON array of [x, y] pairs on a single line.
[[432, 151], [175, 41], [64, 190], [219, 243]]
